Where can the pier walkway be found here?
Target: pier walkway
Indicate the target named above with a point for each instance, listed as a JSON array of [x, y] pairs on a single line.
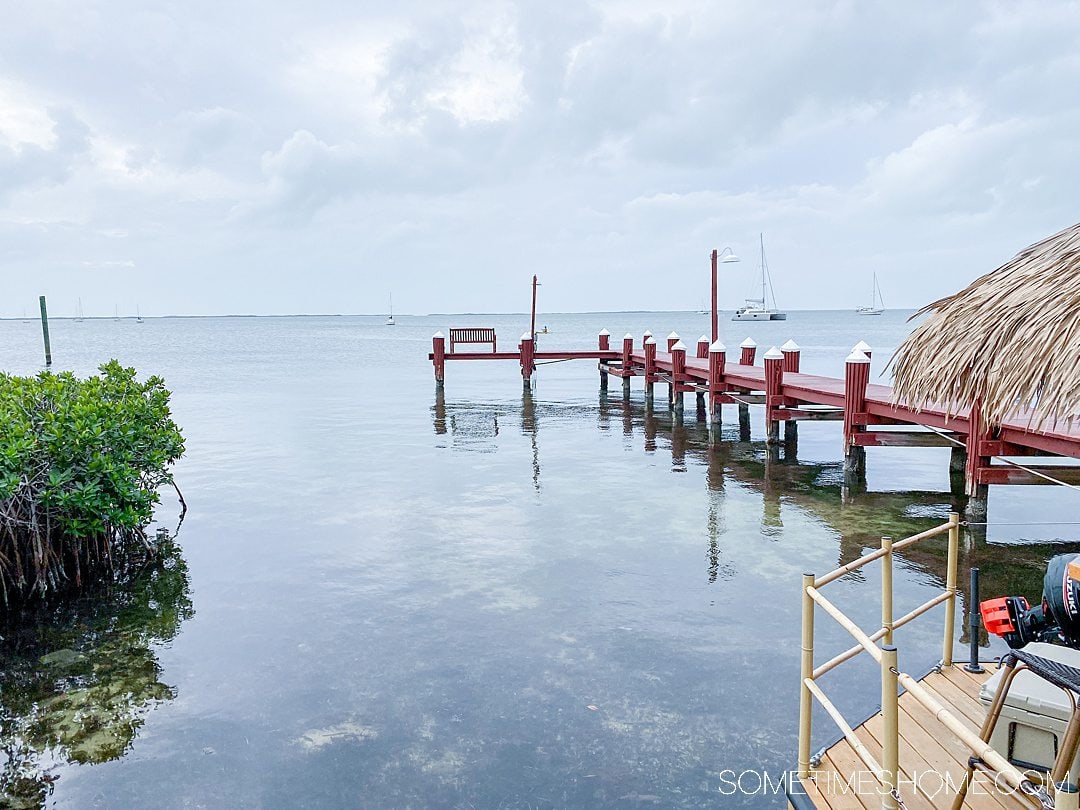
[[980, 455]]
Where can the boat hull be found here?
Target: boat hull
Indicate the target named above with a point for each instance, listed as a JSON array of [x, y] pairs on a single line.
[[759, 316]]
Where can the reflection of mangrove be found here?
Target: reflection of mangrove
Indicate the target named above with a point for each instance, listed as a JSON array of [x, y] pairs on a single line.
[[79, 677]]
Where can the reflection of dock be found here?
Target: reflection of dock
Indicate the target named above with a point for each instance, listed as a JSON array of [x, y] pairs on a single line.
[[870, 416]]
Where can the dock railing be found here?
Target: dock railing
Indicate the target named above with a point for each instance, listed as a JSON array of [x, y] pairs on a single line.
[[891, 677]]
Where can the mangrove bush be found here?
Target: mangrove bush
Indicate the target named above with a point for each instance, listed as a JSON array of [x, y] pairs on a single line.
[[81, 463]]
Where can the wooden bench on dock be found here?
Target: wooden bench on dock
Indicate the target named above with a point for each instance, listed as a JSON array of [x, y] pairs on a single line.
[[472, 335]]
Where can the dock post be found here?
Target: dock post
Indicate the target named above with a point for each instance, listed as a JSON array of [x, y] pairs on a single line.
[[717, 360], [438, 359], [627, 351], [701, 354], [774, 380], [974, 619], [890, 713], [862, 346], [791, 427], [856, 378], [678, 375], [749, 350], [950, 588], [887, 590], [977, 492], [527, 364], [806, 670], [45, 330], [604, 342], [650, 368], [957, 466], [672, 339]]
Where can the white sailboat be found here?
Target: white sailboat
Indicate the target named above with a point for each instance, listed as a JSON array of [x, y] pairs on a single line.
[[78, 311], [877, 305], [390, 318], [138, 315], [757, 309]]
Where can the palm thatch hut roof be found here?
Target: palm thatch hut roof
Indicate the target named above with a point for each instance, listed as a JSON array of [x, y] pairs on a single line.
[[1010, 340]]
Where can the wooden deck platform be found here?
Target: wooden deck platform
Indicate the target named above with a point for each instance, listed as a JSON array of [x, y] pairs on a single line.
[[927, 753]]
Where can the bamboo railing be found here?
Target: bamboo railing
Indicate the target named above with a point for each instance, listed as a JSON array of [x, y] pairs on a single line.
[[891, 677]]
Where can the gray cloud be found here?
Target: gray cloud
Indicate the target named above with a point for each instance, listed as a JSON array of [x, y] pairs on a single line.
[[596, 144]]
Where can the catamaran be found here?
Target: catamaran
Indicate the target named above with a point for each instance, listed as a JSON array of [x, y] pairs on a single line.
[[877, 305], [757, 309]]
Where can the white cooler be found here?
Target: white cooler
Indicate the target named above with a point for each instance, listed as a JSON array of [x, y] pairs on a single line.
[[1033, 719]]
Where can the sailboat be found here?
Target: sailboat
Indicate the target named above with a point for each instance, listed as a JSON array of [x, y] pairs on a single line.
[[79, 312], [757, 309], [138, 315], [390, 318], [877, 305], [116, 313]]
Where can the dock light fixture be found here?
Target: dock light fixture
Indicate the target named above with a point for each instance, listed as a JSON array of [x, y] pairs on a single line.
[[727, 256]]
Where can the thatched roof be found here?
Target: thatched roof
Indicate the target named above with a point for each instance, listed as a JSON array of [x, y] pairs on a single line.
[[1010, 340]]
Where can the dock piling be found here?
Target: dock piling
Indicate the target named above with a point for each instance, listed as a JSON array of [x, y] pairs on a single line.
[[856, 378], [438, 350], [627, 363], [45, 330], [650, 367], [977, 491], [604, 342], [527, 364], [774, 379], [749, 351], [717, 361], [678, 375]]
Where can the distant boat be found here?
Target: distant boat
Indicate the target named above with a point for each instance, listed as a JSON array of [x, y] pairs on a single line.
[[116, 313], [757, 309], [390, 318], [877, 305], [138, 315], [544, 331], [78, 311]]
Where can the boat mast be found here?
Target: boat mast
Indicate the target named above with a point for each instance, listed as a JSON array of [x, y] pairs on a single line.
[[764, 303]]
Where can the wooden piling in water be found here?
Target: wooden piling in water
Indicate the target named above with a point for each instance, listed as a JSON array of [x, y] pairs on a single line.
[[774, 377], [791, 352], [438, 350], [627, 363], [977, 491], [45, 330], [749, 351], [856, 378], [650, 367], [678, 375], [604, 343], [527, 364]]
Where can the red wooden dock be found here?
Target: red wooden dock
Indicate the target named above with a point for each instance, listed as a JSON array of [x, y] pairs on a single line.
[[871, 418]]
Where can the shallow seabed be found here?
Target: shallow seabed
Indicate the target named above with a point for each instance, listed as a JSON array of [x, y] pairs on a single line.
[[381, 598]]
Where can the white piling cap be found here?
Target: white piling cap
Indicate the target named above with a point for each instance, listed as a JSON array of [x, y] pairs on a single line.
[[774, 354], [748, 344], [717, 347], [648, 333], [679, 346], [439, 335], [790, 346], [673, 336], [605, 333], [627, 336], [857, 357], [526, 336], [861, 347], [703, 339], [650, 339]]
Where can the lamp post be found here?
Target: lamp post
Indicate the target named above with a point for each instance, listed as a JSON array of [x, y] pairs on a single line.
[[726, 256]]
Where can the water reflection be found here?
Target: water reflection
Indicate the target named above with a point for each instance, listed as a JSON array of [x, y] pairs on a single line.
[[79, 678], [857, 516]]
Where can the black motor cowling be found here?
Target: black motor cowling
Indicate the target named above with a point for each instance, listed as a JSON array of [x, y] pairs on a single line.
[[1056, 620]]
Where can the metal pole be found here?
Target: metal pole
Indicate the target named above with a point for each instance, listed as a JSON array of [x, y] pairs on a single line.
[[950, 588], [532, 322], [45, 330], [807, 672], [974, 619], [890, 713], [887, 590], [715, 320]]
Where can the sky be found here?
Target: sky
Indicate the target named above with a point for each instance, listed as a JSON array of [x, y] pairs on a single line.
[[264, 157]]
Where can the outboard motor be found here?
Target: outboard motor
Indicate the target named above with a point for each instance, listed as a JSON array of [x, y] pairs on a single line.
[[1056, 620]]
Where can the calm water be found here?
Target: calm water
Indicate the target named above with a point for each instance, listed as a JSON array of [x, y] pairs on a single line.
[[384, 599]]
